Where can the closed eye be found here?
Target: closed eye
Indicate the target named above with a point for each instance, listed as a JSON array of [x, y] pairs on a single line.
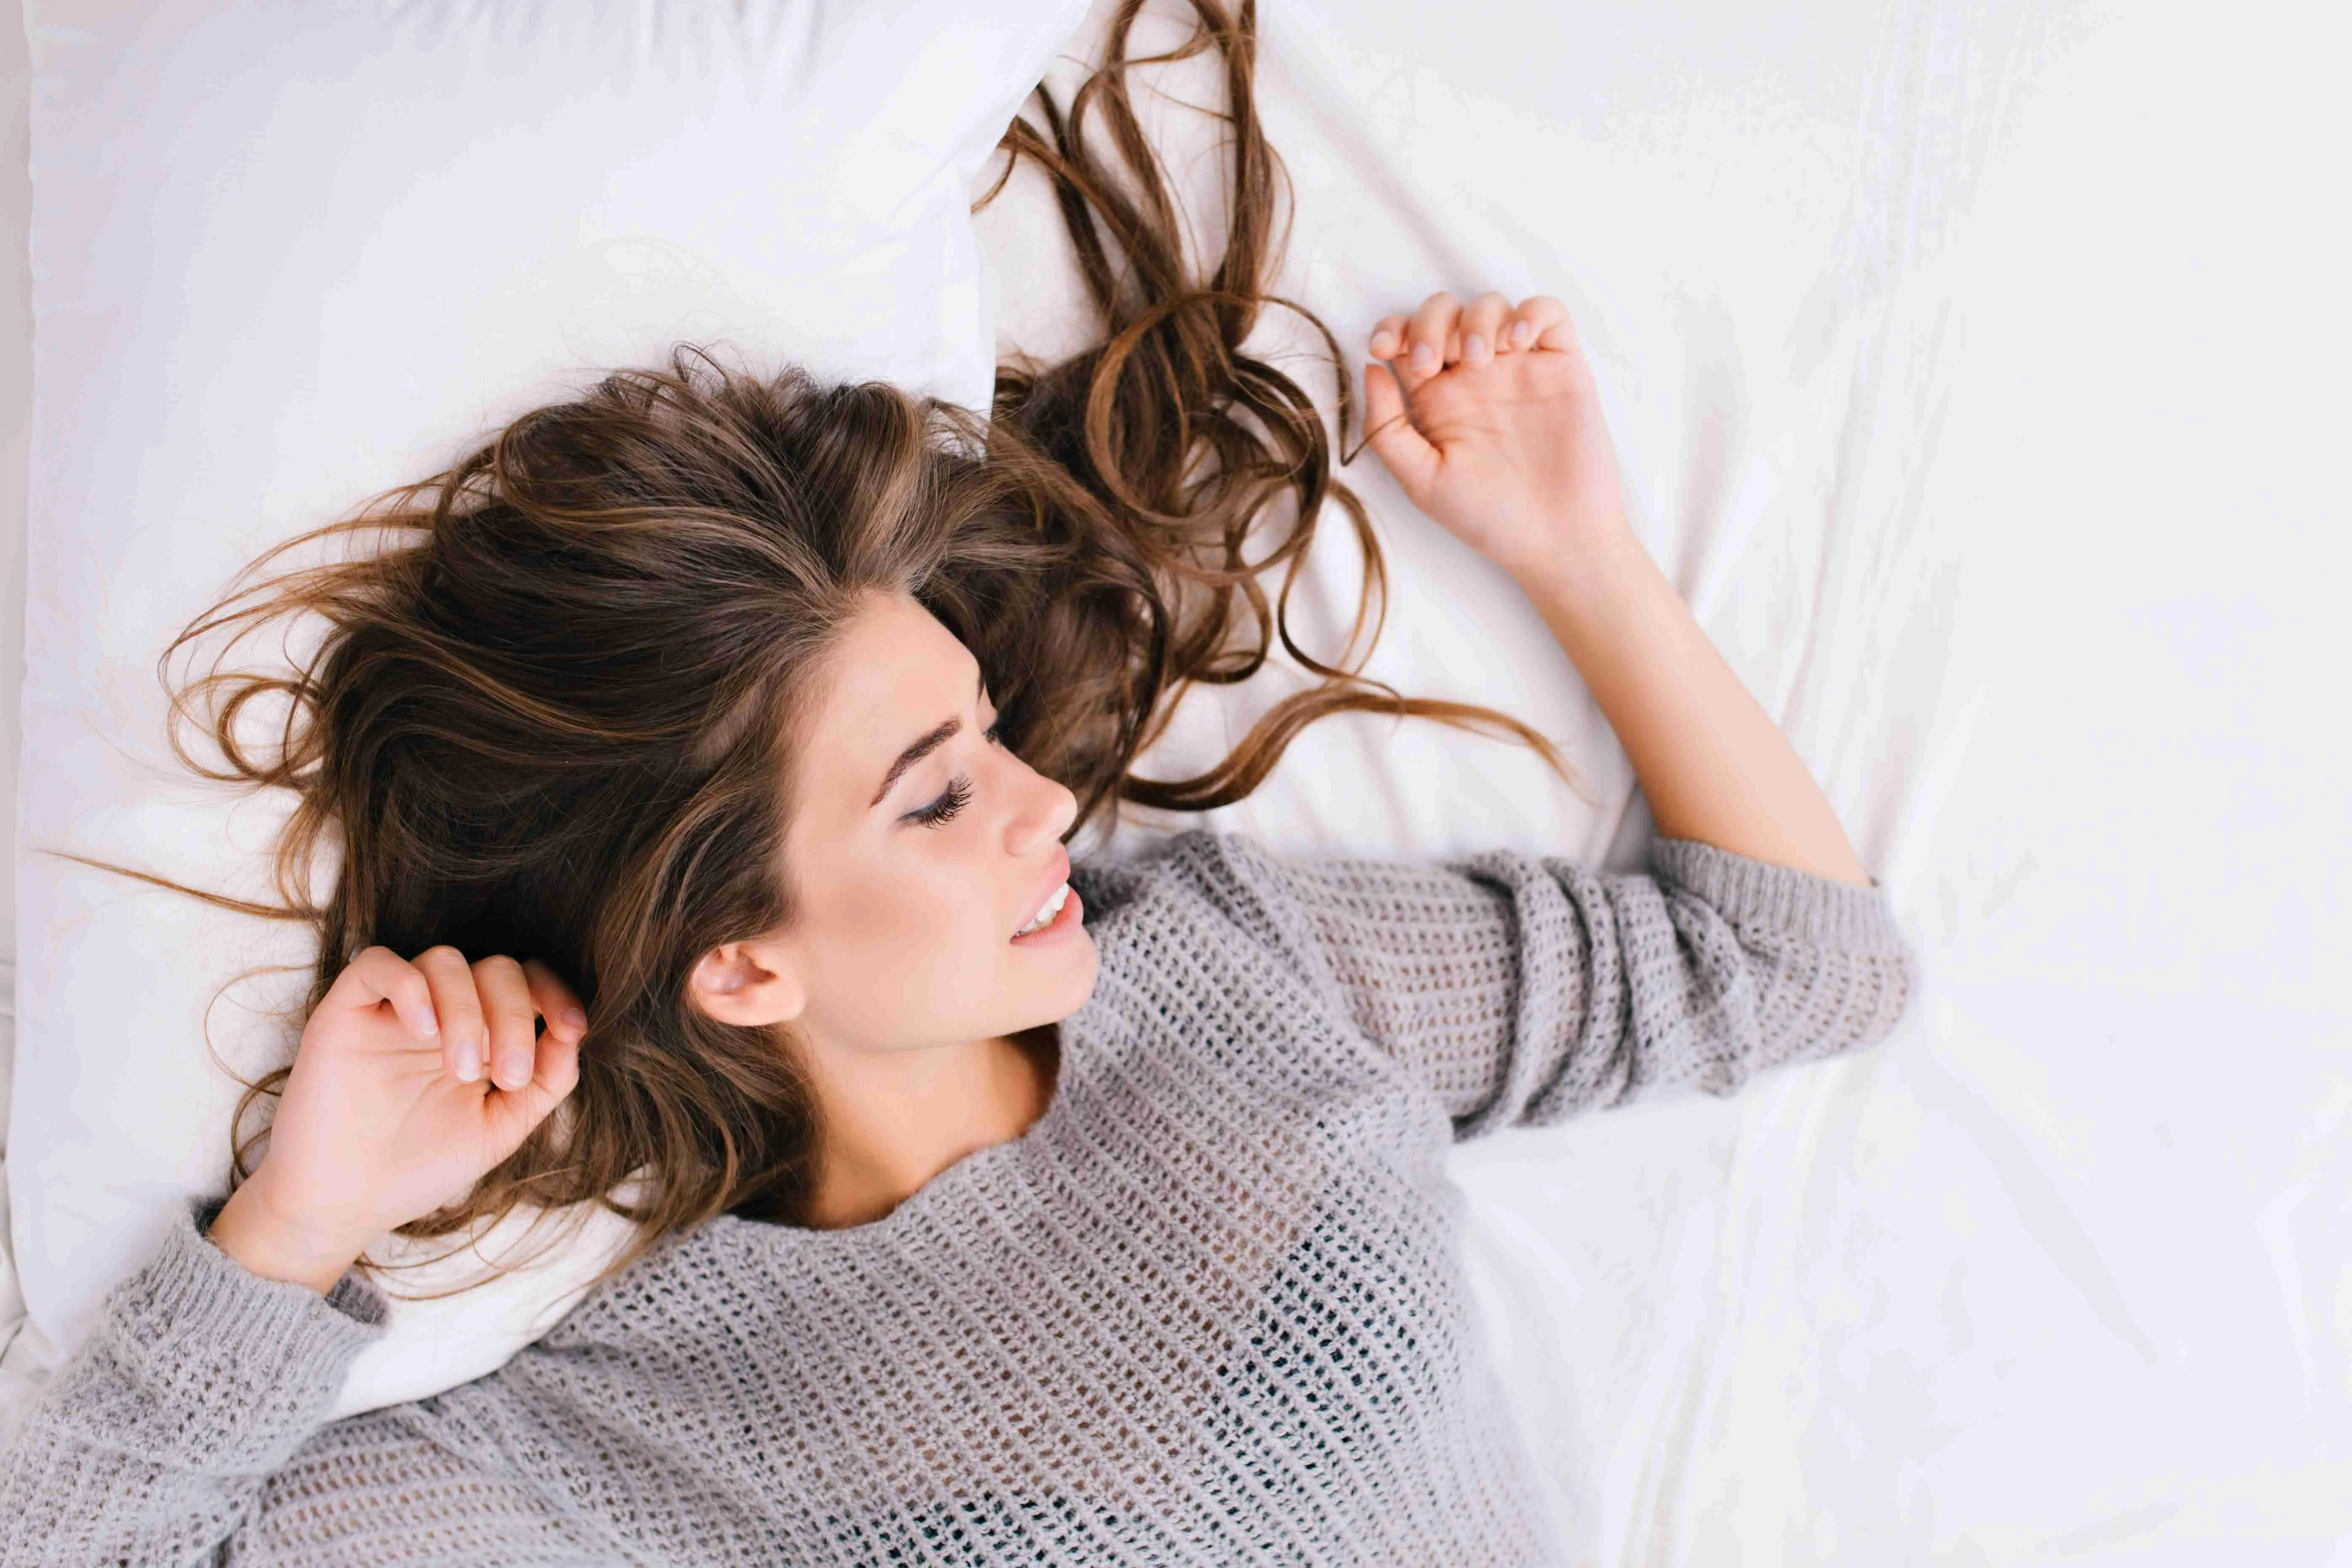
[[957, 794]]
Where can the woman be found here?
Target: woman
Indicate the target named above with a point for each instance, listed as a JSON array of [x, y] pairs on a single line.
[[990, 1208]]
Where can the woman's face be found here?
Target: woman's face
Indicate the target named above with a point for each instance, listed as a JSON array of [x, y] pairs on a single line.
[[917, 848]]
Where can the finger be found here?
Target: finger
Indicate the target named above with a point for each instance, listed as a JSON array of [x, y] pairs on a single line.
[[555, 1072], [1388, 433], [558, 1003], [1387, 337], [1481, 328], [1536, 317], [459, 1009], [1427, 338], [380, 977], [511, 1017]]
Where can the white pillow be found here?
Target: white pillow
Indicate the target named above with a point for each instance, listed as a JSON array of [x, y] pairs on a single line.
[[287, 256]]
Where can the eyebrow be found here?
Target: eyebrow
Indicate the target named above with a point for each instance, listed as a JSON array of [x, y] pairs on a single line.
[[923, 747]]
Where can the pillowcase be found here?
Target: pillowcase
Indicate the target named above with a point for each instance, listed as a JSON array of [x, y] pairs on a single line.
[[287, 256]]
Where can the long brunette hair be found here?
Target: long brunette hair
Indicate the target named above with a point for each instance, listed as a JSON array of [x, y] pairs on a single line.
[[553, 709]]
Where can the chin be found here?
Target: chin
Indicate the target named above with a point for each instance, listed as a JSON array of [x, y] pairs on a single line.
[[1083, 967]]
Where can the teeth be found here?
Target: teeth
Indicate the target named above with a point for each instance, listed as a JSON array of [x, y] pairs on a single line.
[[1046, 912]]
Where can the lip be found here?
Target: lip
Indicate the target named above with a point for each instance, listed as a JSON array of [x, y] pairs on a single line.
[[1037, 901], [1073, 909]]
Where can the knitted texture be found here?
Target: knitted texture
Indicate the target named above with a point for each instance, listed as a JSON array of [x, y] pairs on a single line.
[[1208, 1307]]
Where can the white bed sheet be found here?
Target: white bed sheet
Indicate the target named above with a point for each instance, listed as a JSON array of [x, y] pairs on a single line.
[[15, 432], [1977, 371]]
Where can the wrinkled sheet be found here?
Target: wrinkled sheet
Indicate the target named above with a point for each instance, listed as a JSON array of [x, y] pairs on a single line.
[[1976, 371]]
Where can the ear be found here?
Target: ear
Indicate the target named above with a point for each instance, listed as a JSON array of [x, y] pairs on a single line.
[[748, 983]]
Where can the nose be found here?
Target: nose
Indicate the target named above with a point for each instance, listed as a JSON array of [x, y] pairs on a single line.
[[1046, 810]]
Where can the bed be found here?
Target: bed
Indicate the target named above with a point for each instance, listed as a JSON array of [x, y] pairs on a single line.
[[1974, 378]]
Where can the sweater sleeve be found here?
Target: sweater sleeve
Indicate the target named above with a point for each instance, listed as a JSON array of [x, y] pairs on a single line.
[[1523, 989], [194, 1426], [153, 1443]]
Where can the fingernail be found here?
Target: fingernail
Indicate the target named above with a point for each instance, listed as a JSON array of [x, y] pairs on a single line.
[[425, 1024], [1423, 357], [575, 1017], [1521, 331], [469, 1060], [1384, 344], [1474, 348], [515, 1074]]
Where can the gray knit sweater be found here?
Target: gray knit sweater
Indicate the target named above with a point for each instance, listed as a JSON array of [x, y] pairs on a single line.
[[1208, 1309]]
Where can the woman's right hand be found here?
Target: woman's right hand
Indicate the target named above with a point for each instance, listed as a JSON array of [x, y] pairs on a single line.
[[389, 1113]]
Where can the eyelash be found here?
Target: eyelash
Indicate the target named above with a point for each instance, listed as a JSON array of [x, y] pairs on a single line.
[[959, 791]]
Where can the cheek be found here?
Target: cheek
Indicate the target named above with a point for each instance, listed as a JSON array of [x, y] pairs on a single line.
[[904, 955]]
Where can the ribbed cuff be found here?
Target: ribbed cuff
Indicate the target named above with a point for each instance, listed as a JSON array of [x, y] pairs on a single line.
[[1758, 894], [260, 1359]]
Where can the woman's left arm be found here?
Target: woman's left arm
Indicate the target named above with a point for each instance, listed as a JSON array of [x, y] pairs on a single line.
[[1505, 446], [1523, 989]]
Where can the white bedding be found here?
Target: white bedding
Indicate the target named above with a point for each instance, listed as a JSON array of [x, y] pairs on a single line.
[[16, 429], [368, 233], [1978, 374], [1976, 369]]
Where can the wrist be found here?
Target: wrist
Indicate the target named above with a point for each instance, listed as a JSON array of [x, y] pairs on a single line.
[[1585, 566], [259, 1235]]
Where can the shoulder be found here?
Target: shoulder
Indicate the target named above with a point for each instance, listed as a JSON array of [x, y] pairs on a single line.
[[1209, 886], [1209, 957], [1268, 889], [1197, 870]]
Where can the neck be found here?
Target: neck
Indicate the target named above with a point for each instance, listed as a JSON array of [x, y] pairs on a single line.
[[893, 1119]]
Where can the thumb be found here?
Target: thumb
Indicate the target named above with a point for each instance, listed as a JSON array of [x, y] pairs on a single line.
[[1388, 432]]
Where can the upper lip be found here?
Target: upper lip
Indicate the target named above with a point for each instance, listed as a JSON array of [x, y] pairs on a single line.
[[1060, 876]]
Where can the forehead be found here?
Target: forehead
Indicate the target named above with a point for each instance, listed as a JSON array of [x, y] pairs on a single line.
[[892, 649], [895, 673]]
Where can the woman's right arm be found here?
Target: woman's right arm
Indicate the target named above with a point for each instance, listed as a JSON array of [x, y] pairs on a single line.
[[197, 1417], [197, 1411], [201, 1379]]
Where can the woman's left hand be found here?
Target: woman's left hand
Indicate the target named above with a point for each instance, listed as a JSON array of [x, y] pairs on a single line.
[[1505, 445]]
